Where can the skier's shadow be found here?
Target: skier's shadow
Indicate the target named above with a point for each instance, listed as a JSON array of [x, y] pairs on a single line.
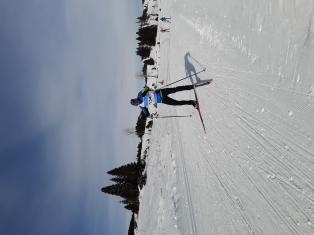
[[190, 69]]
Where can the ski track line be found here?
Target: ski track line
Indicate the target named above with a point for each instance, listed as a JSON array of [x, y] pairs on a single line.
[[269, 166], [261, 135], [303, 179], [260, 90], [270, 157], [185, 175], [282, 136], [226, 175], [298, 173], [225, 191], [269, 153], [278, 106], [287, 130], [251, 129], [226, 186], [292, 198], [181, 156], [237, 80], [300, 108], [280, 121], [235, 203], [275, 208], [247, 81], [288, 167]]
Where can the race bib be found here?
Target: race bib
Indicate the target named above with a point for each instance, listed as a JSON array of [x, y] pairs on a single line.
[[151, 98]]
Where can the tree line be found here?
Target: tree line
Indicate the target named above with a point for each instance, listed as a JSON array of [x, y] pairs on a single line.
[[147, 33], [128, 179]]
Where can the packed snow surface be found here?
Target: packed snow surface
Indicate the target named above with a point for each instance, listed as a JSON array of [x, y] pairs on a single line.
[[252, 172]]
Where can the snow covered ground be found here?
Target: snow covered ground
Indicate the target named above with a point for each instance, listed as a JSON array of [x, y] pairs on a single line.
[[253, 171]]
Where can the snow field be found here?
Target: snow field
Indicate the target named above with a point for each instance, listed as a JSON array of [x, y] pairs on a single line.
[[253, 171]]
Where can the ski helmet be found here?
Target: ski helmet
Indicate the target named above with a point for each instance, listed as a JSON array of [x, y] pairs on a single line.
[[135, 102]]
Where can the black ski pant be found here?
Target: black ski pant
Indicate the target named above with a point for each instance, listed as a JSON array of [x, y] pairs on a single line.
[[167, 91]]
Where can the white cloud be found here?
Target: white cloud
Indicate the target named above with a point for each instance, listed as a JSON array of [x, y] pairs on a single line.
[[79, 87]]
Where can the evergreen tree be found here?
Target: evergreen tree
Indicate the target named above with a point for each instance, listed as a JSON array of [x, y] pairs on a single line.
[[119, 180], [149, 61], [125, 201], [126, 190], [142, 20], [142, 180], [143, 52], [140, 124], [132, 207], [139, 151], [125, 170], [131, 179], [132, 225], [147, 34], [115, 189]]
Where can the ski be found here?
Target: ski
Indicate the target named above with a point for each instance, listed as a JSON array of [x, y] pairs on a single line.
[[198, 108]]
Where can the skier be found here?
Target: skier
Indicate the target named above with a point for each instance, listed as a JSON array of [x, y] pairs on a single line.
[[146, 96], [164, 30], [166, 19]]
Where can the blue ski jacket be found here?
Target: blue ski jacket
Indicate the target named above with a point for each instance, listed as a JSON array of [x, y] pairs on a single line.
[[147, 97]]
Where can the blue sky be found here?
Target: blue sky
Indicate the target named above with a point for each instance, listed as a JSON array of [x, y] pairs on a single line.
[[68, 70]]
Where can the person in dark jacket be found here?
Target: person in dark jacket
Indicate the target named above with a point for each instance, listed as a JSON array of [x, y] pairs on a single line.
[[164, 30], [166, 19]]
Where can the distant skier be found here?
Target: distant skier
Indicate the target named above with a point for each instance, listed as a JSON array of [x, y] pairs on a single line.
[[166, 19], [164, 30], [147, 97]]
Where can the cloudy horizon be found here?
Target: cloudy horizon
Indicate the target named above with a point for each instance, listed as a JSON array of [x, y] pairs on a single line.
[[67, 72]]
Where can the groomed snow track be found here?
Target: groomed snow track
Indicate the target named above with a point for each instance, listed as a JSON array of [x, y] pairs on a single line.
[[253, 171]]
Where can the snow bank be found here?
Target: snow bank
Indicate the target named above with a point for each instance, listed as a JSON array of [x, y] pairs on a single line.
[[252, 173]]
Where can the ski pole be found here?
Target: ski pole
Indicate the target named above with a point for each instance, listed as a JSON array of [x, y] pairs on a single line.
[[196, 61], [173, 116], [191, 75]]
